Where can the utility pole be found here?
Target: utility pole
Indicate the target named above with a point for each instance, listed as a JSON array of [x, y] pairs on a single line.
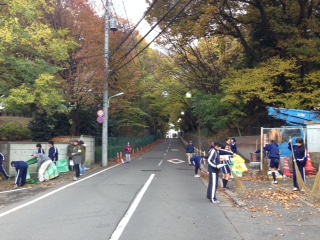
[[105, 94]]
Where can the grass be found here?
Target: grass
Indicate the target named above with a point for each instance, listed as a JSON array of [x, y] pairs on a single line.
[[16, 120]]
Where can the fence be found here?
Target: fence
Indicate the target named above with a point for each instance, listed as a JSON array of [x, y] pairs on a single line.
[[117, 145]]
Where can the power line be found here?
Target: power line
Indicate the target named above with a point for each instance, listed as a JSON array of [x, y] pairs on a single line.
[[118, 68], [153, 27], [134, 28]]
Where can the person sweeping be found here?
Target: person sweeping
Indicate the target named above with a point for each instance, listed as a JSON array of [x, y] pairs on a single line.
[[274, 156], [300, 157]]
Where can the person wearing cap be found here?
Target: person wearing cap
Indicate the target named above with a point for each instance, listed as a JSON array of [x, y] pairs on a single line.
[[44, 163], [53, 152], [190, 152], [77, 158], [22, 169], [69, 154], [214, 166]]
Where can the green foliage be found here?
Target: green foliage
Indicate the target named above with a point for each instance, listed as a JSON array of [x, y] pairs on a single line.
[[45, 127], [12, 132]]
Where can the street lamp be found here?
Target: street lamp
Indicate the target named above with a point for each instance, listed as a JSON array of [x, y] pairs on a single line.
[[117, 95], [105, 131]]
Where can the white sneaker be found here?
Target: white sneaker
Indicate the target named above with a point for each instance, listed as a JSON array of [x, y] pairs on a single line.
[[216, 201], [197, 175], [274, 182], [295, 189], [75, 179]]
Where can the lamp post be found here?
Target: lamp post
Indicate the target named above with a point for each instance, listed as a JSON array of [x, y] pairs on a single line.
[[105, 130]]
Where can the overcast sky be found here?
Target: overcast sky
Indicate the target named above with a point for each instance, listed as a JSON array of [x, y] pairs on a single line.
[[134, 9]]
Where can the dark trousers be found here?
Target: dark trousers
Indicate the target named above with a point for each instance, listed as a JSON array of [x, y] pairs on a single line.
[[303, 175], [196, 169], [22, 176], [77, 170], [3, 171], [213, 185]]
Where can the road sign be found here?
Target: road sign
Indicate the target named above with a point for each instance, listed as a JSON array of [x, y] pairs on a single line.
[[100, 113], [100, 119]]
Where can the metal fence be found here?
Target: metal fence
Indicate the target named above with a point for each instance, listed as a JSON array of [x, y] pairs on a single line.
[[118, 144]]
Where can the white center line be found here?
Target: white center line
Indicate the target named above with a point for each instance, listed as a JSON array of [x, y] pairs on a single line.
[[124, 221], [160, 163]]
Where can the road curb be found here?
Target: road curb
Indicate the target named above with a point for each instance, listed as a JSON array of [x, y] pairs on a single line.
[[228, 192]]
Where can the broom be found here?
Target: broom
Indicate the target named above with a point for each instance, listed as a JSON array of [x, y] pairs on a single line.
[[316, 186], [240, 187], [300, 181]]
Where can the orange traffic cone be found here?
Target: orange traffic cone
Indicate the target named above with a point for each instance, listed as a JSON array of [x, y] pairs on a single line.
[[121, 158], [310, 170], [286, 168]]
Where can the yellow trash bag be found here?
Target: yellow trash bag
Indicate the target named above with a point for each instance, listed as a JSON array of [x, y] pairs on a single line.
[[239, 164]]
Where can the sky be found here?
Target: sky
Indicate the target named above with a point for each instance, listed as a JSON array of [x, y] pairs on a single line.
[[135, 10]]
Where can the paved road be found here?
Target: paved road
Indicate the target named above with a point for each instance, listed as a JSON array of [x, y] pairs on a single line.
[[150, 198]]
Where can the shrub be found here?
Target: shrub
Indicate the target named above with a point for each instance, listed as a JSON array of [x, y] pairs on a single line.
[[12, 131]]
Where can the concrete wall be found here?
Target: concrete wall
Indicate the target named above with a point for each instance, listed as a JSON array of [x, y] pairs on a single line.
[[21, 151]]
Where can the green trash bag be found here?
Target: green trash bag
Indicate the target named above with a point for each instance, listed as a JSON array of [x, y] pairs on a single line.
[[52, 172], [63, 165]]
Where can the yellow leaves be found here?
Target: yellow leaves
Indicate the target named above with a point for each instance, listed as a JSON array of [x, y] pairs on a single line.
[[261, 82], [44, 94]]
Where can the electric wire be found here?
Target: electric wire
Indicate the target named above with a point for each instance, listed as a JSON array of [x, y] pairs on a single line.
[[134, 28], [153, 27], [118, 68]]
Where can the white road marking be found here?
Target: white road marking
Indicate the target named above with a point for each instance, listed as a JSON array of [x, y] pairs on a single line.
[[160, 163], [14, 190], [124, 221], [53, 192]]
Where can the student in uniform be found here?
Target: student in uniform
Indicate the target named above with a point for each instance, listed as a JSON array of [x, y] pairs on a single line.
[[225, 155], [274, 156], [2, 170], [233, 145], [300, 156], [214, 169], [53, 153], [40, 149], [190, 151], [22, 169], [196, 161]]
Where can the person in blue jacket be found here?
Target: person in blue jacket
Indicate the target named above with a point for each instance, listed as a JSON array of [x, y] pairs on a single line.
[[53, 152], [233, 145], [196, 161], [300, 156], [274, 156], [2, 170], [190, 152], [214, 166], [22, 169]]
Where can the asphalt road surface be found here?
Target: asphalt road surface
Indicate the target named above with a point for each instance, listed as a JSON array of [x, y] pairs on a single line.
[[150, 198], [154, 197]]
